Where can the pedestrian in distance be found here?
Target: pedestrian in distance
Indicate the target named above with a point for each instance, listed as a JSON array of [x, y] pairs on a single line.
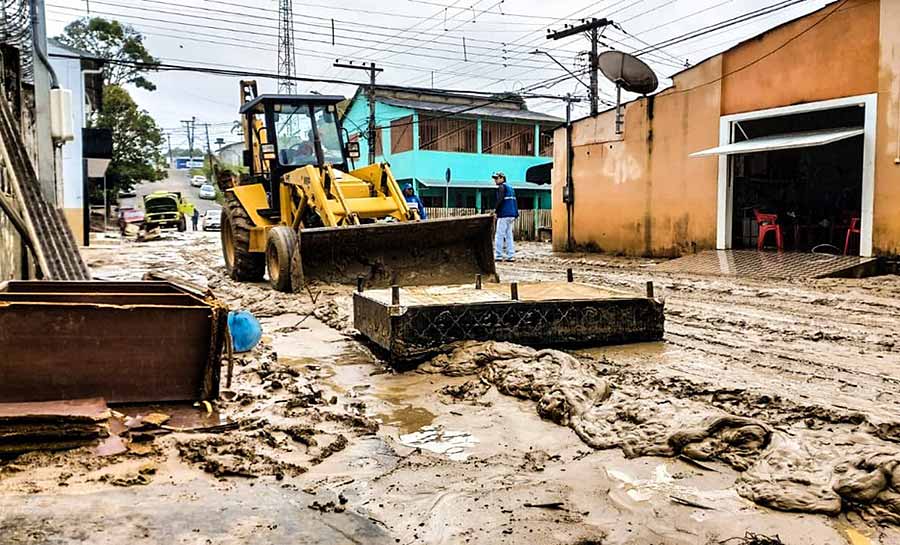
[[507, 211], [195, 218]]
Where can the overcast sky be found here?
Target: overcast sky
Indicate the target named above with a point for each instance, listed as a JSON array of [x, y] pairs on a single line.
[[413, 40]]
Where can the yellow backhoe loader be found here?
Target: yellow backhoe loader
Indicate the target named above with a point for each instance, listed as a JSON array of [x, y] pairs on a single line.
[[303, 214]]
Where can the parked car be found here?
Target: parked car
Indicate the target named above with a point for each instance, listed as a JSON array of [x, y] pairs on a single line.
[[198, 181], [212, 220], [127, 194], [207, 192]]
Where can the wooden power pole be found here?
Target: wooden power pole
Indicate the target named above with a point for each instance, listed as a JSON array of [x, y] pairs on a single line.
[[373, 71], [593, 26]]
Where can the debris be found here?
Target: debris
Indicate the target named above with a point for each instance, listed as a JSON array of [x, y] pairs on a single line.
[[557, 505], [753, 539], [245, 330], [52, 425], [689, 503]]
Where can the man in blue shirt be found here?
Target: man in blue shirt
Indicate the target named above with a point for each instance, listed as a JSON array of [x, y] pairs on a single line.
[[507, 211], [413, 201]]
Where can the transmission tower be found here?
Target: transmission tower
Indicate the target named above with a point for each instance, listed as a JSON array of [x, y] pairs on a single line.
[[287, 59]]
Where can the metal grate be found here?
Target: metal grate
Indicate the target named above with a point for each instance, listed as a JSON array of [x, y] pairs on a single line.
[[753, 264]]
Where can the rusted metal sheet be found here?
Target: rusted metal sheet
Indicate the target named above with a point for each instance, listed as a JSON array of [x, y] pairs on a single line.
[[124, 341], [546, 314], [52, 425]]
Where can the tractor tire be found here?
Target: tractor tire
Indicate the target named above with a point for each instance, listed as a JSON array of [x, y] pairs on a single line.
[[280, 245], [182, 225], [240, 263]]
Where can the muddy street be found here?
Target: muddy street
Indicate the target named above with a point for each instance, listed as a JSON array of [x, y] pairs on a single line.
[[770, 408]]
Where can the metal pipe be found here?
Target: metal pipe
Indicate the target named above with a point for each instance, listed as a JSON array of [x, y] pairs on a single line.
[[650, 289], [36, 34], [570, 275], [514, 291], [477, 281]]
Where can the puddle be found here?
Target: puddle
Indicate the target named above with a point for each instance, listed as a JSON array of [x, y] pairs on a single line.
[[453, 444], [407, 419]]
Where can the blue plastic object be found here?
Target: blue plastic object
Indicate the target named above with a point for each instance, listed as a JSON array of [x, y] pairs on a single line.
[[245, 330]]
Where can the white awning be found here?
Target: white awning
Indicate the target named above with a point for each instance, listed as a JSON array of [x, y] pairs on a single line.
[[783, 141]]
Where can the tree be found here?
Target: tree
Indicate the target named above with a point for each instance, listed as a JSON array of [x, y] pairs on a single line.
[[137, 142], [115, 41]]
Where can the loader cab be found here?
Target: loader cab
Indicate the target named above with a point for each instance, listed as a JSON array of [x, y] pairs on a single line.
[[291, 131]]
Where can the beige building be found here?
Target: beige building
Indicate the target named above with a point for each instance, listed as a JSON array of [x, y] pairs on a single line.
[[802, 121]]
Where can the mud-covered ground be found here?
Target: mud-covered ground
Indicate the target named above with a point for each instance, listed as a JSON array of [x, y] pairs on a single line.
[[770, 409]]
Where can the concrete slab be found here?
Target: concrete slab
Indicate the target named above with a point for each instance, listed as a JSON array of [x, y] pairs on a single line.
[[546, 314], [753, 264]]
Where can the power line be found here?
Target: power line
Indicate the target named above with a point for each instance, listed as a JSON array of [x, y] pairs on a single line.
[[268, 35]]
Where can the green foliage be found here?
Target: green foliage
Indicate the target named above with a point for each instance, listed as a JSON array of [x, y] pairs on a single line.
[[136, 141], [112, 40]]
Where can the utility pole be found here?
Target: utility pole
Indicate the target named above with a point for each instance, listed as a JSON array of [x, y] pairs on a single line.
[[189, 126], [171, 159], [593, 26], [208, 152], [373, 71]]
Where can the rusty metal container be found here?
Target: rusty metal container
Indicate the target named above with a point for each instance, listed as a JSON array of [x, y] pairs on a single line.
[[122, 341], [411, 324]]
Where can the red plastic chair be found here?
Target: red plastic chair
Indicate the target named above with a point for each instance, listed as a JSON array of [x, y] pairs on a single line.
[[854, 228], [768, 223]]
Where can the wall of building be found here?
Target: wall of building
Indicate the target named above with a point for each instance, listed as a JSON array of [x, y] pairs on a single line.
[[68, 71], [641, 193], [886, 230]]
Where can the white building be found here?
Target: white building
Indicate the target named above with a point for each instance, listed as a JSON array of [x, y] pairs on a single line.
[[77, 73]]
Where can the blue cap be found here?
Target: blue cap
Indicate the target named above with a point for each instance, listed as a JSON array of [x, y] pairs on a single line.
[[407, 186]]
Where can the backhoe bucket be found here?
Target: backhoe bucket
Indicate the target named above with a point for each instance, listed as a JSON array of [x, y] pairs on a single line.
[[441, 251]]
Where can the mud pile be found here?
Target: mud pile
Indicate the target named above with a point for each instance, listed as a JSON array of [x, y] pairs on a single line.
[[572, 393], [825, 463]]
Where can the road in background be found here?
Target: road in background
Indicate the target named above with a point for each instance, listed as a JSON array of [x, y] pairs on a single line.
[[177, 180]]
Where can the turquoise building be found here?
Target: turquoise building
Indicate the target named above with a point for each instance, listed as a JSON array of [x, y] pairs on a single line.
[[427, 134]]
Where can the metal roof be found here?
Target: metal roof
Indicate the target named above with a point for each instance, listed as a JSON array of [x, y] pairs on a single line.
[[290, 99], [470, 110], [805, 139]]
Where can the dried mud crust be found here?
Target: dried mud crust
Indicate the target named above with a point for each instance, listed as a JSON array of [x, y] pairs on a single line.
[[827, 461]]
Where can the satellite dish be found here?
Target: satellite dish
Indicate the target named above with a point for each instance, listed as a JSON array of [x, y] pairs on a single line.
[[628, 72]]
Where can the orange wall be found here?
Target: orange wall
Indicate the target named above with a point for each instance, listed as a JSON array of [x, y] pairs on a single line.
[[643, 194], [886, 236], [821, 64]]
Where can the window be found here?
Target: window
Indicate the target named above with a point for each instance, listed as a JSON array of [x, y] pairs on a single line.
[[401, 134], [507, 138], [293, 129], [326, 125], [379, 148], [448, 134], [432, 202], [546, 142]]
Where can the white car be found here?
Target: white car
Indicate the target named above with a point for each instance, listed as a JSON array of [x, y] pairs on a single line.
[[207, 192], [212, 220], [198, 181]]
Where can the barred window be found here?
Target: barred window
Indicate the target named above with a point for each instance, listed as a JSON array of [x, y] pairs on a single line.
[[499, 138], [401, 134], [448, 134]]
